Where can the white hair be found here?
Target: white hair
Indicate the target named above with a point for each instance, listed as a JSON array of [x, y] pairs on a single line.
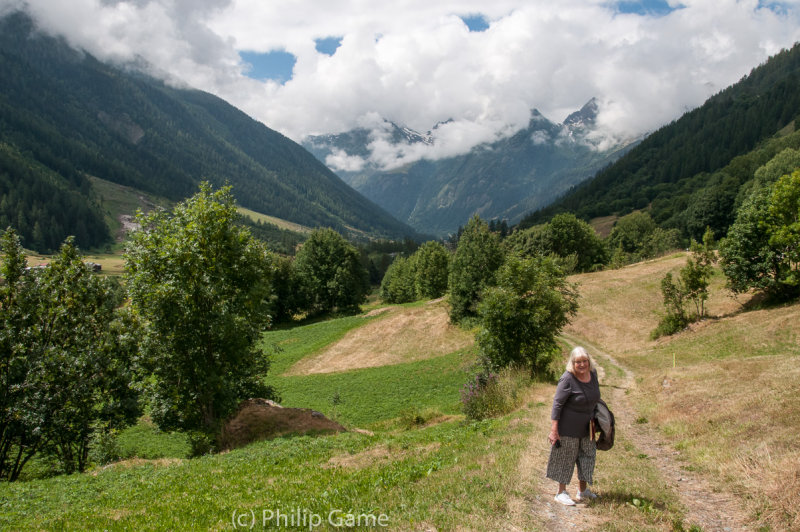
[[579, 352]]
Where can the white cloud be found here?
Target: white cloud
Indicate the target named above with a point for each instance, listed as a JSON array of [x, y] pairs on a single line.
[[339, 160], [416, 63]]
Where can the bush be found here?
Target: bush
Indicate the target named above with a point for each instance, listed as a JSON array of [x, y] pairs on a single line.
[[490, 394], [416, 417]]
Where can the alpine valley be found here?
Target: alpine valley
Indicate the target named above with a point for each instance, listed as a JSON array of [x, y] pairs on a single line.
[[501, 180]]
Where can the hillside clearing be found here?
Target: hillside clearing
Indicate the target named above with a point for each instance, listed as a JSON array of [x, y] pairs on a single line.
[[395, 336]]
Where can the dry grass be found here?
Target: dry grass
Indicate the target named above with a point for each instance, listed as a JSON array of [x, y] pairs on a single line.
[[619, 308], [603, 225], [265, 218], [401, 334], [723, 391], [736, 419]]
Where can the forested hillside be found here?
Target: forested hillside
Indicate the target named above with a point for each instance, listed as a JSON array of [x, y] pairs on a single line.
[[688, 174], [65, 116]]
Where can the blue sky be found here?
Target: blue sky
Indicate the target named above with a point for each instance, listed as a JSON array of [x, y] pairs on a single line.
[[645, 7]]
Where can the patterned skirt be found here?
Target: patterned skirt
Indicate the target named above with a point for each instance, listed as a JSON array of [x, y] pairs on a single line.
[[572, 452]]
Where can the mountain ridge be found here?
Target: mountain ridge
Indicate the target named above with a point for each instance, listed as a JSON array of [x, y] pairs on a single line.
[[502, 179], [64, 115]]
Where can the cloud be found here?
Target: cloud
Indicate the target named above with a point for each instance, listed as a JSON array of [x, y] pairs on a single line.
[[417, 63], [339, 160]]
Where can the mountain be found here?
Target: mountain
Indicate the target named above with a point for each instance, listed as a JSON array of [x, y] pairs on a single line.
[[504, 179], [65, 116], [690, 174]]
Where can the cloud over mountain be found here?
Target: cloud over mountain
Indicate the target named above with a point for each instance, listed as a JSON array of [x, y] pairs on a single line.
[[417, 63]]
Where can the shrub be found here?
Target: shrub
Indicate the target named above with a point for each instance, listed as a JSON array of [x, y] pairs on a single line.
[[490, 394]]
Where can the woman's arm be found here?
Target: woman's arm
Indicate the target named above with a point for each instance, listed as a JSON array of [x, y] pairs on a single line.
[[561, 396]]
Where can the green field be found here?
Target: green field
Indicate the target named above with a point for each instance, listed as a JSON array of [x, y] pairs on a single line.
[[420, 464], [410, 475]]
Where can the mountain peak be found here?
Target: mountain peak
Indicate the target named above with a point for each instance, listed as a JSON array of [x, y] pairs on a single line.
[[585, 117]]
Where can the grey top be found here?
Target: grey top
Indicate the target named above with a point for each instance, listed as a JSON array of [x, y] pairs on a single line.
[[573, 404]]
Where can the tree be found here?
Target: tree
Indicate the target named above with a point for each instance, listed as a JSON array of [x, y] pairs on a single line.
[[785, 162], [784, 227], [761, 249], [696, 274], [66, 358], [477, 258], [286, 299], [630, 233], [19, 439], [397, 285], [200, 284], [431, 263], [331, 271], [692, 285], [521, 316], [567, 237]]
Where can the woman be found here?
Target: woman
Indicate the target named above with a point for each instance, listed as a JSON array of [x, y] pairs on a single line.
[[571, 443]]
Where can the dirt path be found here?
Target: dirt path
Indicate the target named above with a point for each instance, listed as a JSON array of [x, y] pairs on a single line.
[[711, 510]]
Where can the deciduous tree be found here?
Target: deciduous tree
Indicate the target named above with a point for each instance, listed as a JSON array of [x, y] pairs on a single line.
[[201, 286], [431, 263], [331, 271], [521, 316], [66, 358], [477, 258]]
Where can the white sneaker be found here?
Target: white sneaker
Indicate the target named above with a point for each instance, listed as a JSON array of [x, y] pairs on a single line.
[[564, 499], [585, 495]]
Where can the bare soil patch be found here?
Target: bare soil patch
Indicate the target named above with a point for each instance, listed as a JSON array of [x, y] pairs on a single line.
[[401, 335], [261, 419]]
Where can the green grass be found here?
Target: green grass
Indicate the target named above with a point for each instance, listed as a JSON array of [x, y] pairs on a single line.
[[287, 346], [373, 395], [144, 440], [368, 396], [434, 475]]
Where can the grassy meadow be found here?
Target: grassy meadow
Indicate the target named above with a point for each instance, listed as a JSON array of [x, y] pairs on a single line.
[[710, 391]]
